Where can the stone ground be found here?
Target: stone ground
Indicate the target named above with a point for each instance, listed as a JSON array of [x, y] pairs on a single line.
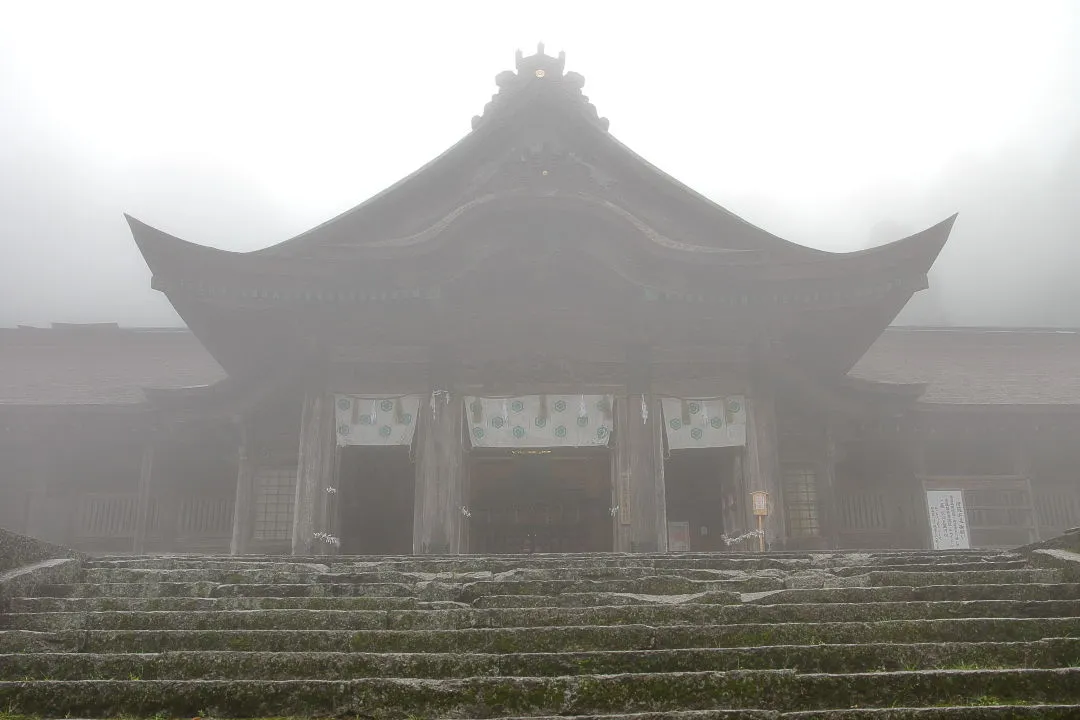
[[677, 636]]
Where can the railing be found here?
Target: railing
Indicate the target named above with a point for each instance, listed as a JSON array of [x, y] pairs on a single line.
[[205, 517], [862, 512], [108, 520], [106, 515], [1058, 509]]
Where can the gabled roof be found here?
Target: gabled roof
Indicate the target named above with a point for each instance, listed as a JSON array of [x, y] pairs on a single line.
[[98, 364], [979, 366]]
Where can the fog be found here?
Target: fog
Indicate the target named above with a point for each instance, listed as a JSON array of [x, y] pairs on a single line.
[[838, 125]]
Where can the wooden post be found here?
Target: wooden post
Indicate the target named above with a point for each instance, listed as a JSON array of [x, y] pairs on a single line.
[[244, 508], [437, 514], [620, 473], [640, 474], [763, 461], [828, 510], [142, 511], [314, 473]]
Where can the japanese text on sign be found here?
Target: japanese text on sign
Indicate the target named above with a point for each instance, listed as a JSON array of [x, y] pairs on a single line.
[[761, 502], [948, 520]]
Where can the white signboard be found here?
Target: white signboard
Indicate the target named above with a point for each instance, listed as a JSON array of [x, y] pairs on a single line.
[[948, 520]]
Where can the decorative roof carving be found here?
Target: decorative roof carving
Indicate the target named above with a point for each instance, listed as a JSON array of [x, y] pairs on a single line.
[[544, 73]]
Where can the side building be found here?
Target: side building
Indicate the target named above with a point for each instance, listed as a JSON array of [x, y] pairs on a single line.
[[538, 342], [85, 444]]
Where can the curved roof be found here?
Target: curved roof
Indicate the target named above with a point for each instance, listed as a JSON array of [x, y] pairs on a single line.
[[539, 173], [539, 137]]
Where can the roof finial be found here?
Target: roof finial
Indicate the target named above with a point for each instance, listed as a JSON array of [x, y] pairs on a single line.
[[539, 48]]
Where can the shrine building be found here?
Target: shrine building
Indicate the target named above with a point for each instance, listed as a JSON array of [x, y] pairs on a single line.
[[537, 342]]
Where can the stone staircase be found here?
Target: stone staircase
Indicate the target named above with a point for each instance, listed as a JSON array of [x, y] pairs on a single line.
[[688, 636]]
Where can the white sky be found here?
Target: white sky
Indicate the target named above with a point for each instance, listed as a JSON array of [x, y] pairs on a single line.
[[240, 124]]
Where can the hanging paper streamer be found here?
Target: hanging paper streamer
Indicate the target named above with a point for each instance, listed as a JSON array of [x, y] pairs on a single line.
[[376, 421], [434, 398], [540, 421], [715, 422]]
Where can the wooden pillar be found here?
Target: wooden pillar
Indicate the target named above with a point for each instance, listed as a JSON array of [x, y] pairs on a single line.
[[640, 474], [244, 507], [440, 457], [763, 461], [314, 473], [620, 472], [828, 510], [142, 507]]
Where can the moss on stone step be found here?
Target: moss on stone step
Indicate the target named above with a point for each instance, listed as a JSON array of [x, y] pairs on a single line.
[[225, 665], [492, 697], [462, 618], [549, 639]]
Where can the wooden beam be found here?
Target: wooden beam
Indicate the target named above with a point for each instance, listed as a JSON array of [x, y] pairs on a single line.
[[142, 512], [314, 473], [244, 507]]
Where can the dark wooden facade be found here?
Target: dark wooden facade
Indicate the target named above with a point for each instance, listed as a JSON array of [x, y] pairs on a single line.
[[539, 255]]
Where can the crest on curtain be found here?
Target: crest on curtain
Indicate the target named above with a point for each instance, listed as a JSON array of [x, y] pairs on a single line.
[[705, 423], [540, 421], [376, 420]]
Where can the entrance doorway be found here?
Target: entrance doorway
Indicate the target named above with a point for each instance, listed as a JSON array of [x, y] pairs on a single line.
[[701, 494], [540, 501], [376, 490]]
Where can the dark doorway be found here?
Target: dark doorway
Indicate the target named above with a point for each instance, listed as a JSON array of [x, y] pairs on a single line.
[[540, 501], [376, 501], [699, 485]]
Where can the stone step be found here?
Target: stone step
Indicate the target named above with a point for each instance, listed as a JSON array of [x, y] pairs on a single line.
[[502, 563], [1003, 563], [286, 573], [964, 577], [187, 604], [195, 596], [555, 579], [473, 590], [543, 639], [125, 590], [484, 696], [224, 665], [892, 593], [899, 593], [462, 618], [435, 590], [595, 599], [978, 712], [361, 577]]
